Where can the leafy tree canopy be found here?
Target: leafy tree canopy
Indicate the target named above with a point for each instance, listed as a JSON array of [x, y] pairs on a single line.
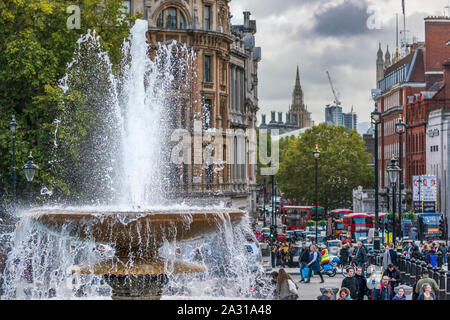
[[343, 166], [35, 48]]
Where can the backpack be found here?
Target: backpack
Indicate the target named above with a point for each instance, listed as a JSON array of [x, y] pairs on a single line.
[[292, 287]]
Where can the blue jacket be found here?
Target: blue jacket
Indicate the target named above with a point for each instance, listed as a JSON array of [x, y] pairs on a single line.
[[315, 266], [422, 296]]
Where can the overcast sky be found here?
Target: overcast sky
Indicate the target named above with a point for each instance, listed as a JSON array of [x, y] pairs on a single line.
[[321, 35]]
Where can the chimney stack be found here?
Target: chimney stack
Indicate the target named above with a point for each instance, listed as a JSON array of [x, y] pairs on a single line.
[[246, 19]]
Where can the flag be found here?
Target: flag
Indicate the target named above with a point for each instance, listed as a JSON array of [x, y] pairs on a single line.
[[403, 6]]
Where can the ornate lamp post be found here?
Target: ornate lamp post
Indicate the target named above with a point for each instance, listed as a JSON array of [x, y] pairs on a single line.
[[13, 127], [393, 171], [400, 129], [30, 170], [376, 120], [316, 157]]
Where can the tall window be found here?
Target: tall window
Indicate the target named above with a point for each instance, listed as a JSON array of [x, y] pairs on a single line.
[[171, 18], [207, 17], [207, 77]]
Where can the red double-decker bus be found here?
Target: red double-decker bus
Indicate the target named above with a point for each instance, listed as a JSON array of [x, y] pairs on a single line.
[[295, 217], [336, 221], [358, 225]]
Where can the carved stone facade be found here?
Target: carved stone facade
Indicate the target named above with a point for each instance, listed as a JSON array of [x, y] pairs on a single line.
[[221, 56]]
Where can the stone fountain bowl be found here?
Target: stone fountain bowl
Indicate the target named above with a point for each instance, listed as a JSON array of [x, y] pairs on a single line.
[[136, 236]]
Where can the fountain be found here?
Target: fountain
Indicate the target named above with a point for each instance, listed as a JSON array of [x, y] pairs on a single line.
[[137, 225]]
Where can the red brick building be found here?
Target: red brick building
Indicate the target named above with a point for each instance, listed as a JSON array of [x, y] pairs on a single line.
[[409, 89]]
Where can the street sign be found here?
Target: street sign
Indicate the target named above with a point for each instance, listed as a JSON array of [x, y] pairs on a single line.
[[424, 193]]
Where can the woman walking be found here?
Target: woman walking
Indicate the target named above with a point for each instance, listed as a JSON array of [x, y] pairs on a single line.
[[314, 264]]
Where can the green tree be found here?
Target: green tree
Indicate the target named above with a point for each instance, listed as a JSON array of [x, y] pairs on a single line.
[[35, 48], [343, 158]]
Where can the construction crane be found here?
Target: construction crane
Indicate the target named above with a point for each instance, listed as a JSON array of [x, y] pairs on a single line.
[[335, 93]]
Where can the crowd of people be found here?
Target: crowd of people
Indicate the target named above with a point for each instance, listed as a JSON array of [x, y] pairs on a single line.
[[356, 286]]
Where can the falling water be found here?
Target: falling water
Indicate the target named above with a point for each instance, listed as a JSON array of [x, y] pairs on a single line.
[[123, 166]]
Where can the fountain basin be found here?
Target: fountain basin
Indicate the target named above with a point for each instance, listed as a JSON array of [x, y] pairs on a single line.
[[136, 236]]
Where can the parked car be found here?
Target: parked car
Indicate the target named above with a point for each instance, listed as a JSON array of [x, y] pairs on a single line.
[[333, 246], [254, 256]]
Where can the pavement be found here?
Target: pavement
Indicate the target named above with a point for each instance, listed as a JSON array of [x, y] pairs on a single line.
[[310, 291]]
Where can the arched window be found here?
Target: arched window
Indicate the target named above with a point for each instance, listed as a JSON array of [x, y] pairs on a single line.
[[171, 18]]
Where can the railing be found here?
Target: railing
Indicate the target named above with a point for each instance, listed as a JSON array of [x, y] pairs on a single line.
[[410, 268]]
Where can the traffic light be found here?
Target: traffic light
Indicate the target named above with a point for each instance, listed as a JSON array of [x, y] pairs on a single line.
[[442, 228], [421, 228]]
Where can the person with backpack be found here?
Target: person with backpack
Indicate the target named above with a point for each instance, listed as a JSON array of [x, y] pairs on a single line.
[[384, 291], [314, 264]]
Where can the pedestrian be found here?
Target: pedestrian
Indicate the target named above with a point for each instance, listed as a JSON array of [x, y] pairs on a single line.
[[415, 295], [326, 294], [344, 294], [351, 283], [400, 294], [314, 264], [427, 293], [393, 254], [325, 257], [386, 257], [416, 253], [361, 256], [393, 274], [384, 291], [430, 281], [304, 259], [344, 255], [362, 283], [286, 288], [444, 250]]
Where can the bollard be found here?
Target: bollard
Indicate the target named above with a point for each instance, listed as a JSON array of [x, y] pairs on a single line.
[[402, 268], [436, 275], [430, 270], [407, 277], [439, 260], [441, 283], [412, 275]]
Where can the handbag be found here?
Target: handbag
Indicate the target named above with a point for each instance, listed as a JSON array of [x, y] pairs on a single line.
[[292, 287], [305, 272]]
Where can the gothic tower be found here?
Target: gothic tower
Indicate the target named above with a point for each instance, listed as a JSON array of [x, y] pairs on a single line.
[[298, 114], [387, 58], [380, 65]]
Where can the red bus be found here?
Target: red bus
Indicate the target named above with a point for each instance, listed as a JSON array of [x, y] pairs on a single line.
[[357, 225], [295, 217], [336, 221]]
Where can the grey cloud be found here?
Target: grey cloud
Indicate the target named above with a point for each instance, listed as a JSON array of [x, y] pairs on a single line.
[[346, 19]]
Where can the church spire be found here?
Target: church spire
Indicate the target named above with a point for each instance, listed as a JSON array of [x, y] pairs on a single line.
[[297, 79]]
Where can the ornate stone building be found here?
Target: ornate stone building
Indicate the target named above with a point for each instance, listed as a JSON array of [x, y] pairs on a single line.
[[223, 95]]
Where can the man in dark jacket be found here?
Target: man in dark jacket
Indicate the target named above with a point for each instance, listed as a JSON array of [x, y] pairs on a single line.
[[393, 274], [361, 255], [384, 292], [362, 284], [351, 283], [393, 254], [304, 259]]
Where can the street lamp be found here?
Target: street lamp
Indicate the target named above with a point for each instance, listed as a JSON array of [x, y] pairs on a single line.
[[13, 127], [30, 170], [393, 171], [317, 157], [400, 129], [376, 120]]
